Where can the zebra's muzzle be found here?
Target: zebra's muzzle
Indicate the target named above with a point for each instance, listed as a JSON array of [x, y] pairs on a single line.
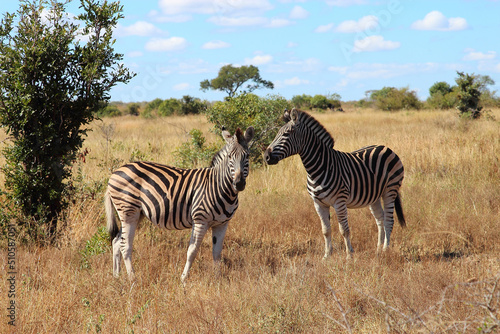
[[270, 159], [239, 182]]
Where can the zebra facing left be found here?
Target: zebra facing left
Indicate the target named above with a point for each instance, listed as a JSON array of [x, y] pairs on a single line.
[[343, 180], [175, 199]]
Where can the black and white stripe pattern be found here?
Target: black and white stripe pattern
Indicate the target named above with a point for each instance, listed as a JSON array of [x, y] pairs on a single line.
[[341, 179], [175, 198]]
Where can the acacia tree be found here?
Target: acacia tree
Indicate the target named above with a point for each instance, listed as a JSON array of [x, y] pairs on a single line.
[[231, 78], [51, 84]]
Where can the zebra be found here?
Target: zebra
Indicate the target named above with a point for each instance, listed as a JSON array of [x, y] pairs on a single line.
[[341, 179], [176, 199]]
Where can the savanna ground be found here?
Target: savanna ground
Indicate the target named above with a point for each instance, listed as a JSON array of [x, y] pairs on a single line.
[[440, 275]]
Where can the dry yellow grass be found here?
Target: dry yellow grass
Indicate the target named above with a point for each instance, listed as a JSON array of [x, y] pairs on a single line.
[[433, 279]]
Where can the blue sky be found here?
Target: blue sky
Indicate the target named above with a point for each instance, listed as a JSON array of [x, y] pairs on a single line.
[[304, 46]]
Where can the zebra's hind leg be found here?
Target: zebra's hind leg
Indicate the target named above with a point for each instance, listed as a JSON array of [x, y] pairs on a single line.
[[378, 213], [117, 257], [341, 210], [197, 234], [126, 240], [389, 199], [324, 215]]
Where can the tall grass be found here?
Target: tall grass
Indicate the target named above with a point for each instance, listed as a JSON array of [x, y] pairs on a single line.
[[441, 274]]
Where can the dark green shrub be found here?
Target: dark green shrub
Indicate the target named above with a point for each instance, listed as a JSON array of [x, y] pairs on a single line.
[[169, 107], [194, 153], [302, 102], [110, 110], [192, 105], [468, 96], [392, 99], [51, 86], [245, 110], [133, 109]]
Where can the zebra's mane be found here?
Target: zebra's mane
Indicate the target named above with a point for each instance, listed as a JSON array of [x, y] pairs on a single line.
[[219, 156], [317, 128]]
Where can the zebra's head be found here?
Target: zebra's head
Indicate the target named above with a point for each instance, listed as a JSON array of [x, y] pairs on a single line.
[[287, 141], [238, 153]]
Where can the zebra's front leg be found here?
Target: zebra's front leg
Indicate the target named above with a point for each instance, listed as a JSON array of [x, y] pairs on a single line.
[[341, 210], [218, 233], [378, 213], [197, 234], [324, 215]]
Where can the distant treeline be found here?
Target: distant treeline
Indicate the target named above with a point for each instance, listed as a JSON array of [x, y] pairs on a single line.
[[441, 96]]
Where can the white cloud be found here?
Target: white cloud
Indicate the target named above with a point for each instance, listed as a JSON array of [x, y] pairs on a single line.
[[259, 60], [166, 44], [364, 23], [435, 20], [175, 7], [134, 54], [139, 28], [295, 81], [345, 3], [215, 45], [476, 55], [181, 86], [363, 71], [292, 45], [324, 28], [309, 65], [238, 21], [247, 21], [298, 13], [278, 23], [374, 43]]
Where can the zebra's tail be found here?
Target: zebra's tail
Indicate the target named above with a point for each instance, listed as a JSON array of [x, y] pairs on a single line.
[[110, 216], [399, 211]]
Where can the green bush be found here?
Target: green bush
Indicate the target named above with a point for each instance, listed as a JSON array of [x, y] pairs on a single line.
[[109, 110], [392, 99], [133, 109], [468, 96], [245, 110], [194, 153], [302, 101], [151, 108], [169, 107], [442, 96], [192, 105]]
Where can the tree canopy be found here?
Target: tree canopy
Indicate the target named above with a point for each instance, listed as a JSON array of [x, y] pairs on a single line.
[[231, 79], [52, 83]]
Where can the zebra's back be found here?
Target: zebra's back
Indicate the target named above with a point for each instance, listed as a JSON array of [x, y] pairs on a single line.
[[162, 193], [372, 171]]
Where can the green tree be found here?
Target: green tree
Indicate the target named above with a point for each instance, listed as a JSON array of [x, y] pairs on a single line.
[[169, 107], [245, 110], [302, 101], [50, 86], [152, 107], [440, 87], [191, 105], [469, 95], [442, 96], [232, 78], [391, 99], [133, 109]]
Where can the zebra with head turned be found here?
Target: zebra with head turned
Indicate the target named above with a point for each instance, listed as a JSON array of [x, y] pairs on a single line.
[[175, 199], [341, 179]]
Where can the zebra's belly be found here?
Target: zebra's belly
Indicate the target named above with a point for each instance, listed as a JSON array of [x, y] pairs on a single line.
[[343, 197]]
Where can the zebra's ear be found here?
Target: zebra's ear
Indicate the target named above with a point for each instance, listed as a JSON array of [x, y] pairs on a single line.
[[294, 114], [226, 135], [249, 133], [286, 116]]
